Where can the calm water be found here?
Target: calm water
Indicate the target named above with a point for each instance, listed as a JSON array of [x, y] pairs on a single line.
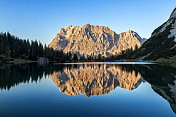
[[109, 89]]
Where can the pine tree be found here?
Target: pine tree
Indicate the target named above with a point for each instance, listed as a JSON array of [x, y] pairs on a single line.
[[75, 57]]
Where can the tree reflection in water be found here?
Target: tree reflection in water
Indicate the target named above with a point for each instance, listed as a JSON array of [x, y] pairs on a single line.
[[94, 79]]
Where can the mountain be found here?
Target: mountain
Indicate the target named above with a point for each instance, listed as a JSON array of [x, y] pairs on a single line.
[[97, 79], [162, 80], [94, 40], [143, 40], [162, 43]]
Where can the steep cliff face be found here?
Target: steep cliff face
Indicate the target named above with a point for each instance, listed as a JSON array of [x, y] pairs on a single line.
[[162, 42], [94, 40], [92, 80]]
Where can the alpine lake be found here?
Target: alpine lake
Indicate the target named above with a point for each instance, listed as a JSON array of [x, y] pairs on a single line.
[[92, 89]]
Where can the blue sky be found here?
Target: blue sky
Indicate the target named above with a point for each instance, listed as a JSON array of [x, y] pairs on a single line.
[[42, 19]]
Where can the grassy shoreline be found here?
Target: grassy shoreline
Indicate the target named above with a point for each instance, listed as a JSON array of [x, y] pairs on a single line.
[[171, 61], [17, 61], [21, 61]]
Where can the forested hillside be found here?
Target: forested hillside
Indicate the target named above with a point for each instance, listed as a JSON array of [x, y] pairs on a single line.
[[162, 43], [12, 47]]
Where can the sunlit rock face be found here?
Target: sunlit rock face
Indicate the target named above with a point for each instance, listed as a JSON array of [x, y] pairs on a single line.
[[94, 40], [129, 81], [92, 80]]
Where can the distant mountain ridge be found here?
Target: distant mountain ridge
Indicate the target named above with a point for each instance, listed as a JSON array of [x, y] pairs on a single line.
[[94, 40]]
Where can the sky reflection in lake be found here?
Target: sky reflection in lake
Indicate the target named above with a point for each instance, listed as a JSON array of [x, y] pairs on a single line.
[[88, 90]]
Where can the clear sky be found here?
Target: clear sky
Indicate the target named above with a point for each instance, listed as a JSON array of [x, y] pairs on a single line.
[[42, 19]]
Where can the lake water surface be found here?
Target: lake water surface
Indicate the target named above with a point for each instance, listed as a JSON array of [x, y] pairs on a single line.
[[88, 89]]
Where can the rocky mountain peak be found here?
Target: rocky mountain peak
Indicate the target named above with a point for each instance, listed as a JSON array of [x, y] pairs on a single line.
[[130, 31], [87, 25], [173, 14], [94, 40]]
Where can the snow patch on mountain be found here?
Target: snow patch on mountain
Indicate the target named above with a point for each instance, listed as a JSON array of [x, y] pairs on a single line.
[[142, 58], [173, 31], [173, 47], [164, 27], [170, 20]]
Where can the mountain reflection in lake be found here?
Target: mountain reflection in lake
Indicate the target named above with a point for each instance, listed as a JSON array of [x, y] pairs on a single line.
[[95, 79], [89, 80]]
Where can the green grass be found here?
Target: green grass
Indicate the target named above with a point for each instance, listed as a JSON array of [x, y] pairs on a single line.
[[167, 61], [21, 61], [6, 60]]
